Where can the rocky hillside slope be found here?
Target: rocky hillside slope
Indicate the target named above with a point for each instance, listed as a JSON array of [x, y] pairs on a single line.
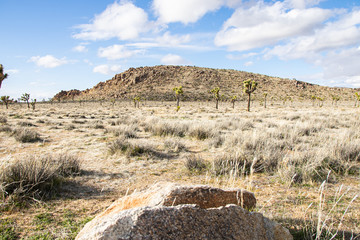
[[156, 83]]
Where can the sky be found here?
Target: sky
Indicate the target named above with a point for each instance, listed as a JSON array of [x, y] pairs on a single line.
[[48, 46]]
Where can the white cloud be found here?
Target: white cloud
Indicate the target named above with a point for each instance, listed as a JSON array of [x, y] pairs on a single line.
[[185, 11], [116, 52], [172, 59], [12, 71], [48, 61], [249, 63], [242, 56], [342, 33], [122, 20], [334, 47], [265, 25], [106, 69], [172, 40], [80, 48], [342, 64]]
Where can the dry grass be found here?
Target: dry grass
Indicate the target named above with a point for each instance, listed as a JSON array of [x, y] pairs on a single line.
[[283, 154]]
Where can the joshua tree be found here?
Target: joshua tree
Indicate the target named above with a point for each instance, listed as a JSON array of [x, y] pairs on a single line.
[[216, 93], [25, 97], [6, 100], [113, 100], [137, 101], [178, 91], [233, 100], [313, 98], [357, 99], [249, 87], [33, 102], [265, 95], [3, 75], [335, 99], [321, 100]]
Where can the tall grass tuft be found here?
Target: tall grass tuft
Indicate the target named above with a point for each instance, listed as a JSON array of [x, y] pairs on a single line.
[[26, 135], [36, 178]]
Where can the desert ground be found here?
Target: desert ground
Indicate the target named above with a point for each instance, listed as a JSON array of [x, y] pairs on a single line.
[[300, 159]]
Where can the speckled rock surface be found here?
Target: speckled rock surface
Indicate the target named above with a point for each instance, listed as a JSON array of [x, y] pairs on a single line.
[[171, 211]]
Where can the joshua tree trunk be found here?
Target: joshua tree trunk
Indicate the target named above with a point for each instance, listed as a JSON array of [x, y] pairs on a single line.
[[178, 101], [249, 102], [217, 104], [233, 104], [265, 102]]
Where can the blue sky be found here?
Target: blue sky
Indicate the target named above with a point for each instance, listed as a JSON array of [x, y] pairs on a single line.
[[47, 46]]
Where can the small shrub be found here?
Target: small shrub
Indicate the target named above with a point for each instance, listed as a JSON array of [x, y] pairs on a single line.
[[195, 163], [132, 149], [3, 119], [174, 145], [25, 124], [118, 145], [168, 129], [127, 131], [78, 121], [36, 177], [69, 127], [26, 135], [98, 126], [217, 141], [68, 165], [201, 132], [6, 129], [231, 164]]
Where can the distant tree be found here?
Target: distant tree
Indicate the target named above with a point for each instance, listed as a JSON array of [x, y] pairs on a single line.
[[33, 103], [137, 102], [321, 101], [216, 92], [3, 75], [335, 99], [6, 100], [178, 92], [357, 99], [249, 87], [233, 100], [113, 100], [25, 97], [265, 95], [313, 98]]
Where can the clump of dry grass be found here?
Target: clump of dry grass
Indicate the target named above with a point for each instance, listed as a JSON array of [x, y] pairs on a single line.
[[195, 163], [26, 124], [174, 145], [132, 149], [201, 131], [7, 129], [326, 219], [3, 119], [127, 131], [26, 135], [36, 177], [162, 128]]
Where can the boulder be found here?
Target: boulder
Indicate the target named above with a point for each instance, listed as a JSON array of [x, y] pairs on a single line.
[[171, 211]]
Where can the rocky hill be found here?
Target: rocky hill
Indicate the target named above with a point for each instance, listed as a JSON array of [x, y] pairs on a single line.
[[156, 83]]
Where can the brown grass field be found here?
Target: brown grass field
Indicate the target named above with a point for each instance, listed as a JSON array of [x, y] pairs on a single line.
[[301, 160]]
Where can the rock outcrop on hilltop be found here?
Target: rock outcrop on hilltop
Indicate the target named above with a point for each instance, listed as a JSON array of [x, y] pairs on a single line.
[[156, 83], [171, 211], [69, 95]]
